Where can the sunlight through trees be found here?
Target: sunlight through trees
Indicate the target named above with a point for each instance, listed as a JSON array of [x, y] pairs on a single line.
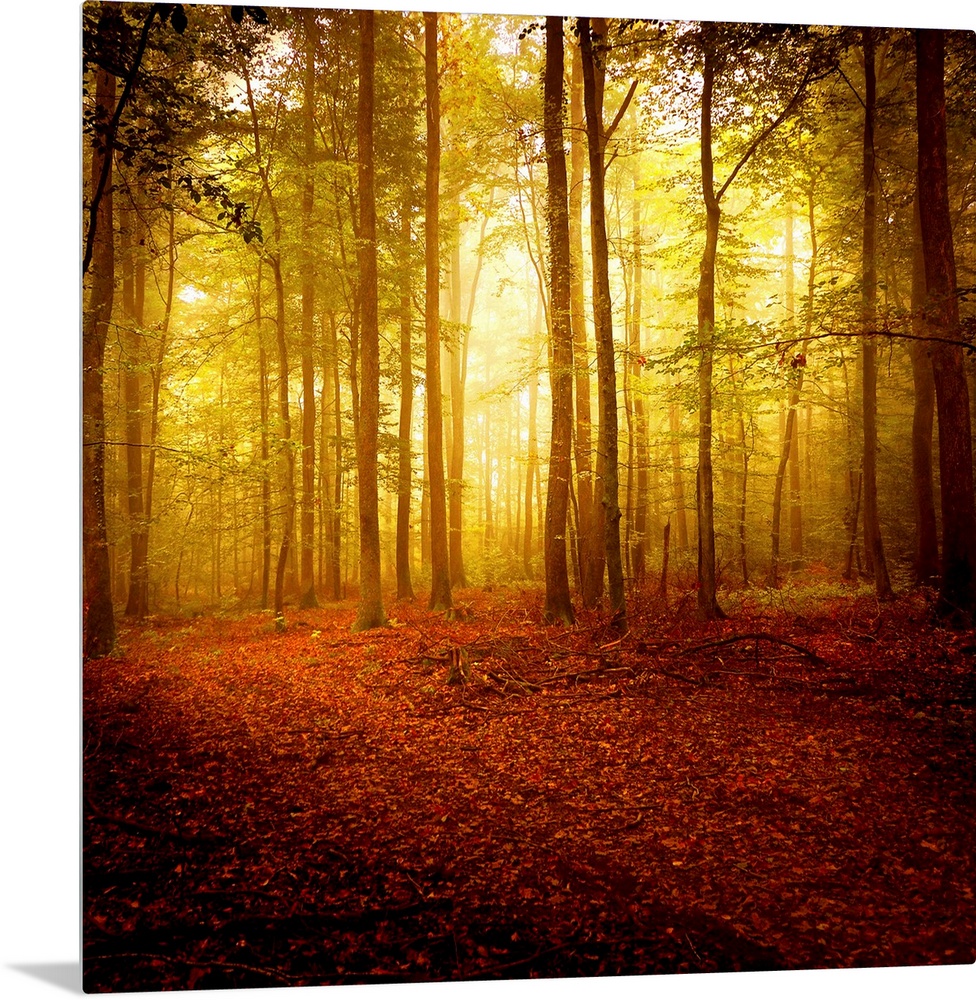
[[352, 281]]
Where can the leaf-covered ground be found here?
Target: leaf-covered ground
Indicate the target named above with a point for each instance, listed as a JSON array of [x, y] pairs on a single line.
[[788, 789]]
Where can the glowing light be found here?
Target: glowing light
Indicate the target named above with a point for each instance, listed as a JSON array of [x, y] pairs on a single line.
[[189, 294]]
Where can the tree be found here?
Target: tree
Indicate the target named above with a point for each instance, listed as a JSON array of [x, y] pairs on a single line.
[[558, 605], [639, 452], [707, 602], [371, 612], [596, 139], [589, 486], [272, 254], [132, 239], [99, 619], [440, 589], [719, 46], [925, 564], [957, 589], [404, 464], [307, 543], [873, 544]]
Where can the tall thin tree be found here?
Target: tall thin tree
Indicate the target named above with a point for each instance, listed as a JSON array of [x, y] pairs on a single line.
[[589, 487], [99, 615], [440, 588], [558, 605], [596, 139], [873, 543], [957, 590], [307, 526], [404, 456], [371, 612]]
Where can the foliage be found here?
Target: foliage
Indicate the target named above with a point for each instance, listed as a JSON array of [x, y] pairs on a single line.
[[309, 808]]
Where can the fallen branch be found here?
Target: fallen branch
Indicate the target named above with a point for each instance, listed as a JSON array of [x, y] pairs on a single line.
[[755, 637]]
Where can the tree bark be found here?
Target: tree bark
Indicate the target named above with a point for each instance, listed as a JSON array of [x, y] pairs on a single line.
[[957, 591], [796, 509], [440, 591], [456, 349], [371, 613], [264, 397], [285, 450], [789, 443], [133, 300], [925, 565], [532, 456], [677, 478], [286, 454], [99, 615], [707, 603], [869, 352], [404, 463], [307, 597], [588, 491], [638, 559], [603, 321], [558, 605]]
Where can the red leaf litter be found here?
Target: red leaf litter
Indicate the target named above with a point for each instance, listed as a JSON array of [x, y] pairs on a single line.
[[493, 798]]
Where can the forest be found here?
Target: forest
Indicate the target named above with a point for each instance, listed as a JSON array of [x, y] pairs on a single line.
[[528, 519]]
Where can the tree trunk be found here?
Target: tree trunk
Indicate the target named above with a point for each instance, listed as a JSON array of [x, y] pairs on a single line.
[[677, 479], [789, 439], [957, 591], [532, 457], [590, 527], [440, 592], [796, 510], [638, 558], [371, 613], [285, 450], [404, 470], [744, 451], [99, 615], [788, 455], [926, 560], [456, 349], [133, 346], [869, 352], [603, 320], [336, 519], [707, 603], [156, 374], [558, 606], [265, 466], [286, 454], [307, 571]]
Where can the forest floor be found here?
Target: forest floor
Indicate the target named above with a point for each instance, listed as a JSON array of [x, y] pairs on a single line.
[[793, 788]]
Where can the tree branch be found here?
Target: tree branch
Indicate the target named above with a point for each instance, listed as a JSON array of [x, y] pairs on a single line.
[[110, 133], [620, 113]]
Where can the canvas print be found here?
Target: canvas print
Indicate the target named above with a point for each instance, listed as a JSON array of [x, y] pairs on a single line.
[[528, 518]]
